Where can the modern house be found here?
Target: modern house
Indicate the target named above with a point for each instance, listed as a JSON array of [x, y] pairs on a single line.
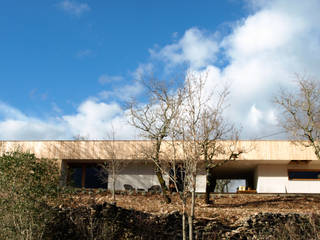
[[266, 166]]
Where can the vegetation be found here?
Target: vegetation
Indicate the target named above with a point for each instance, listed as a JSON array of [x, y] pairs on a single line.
[[27, 185], [111, 168], [301, 112], [190, 119], [234, 216], [154, 121]]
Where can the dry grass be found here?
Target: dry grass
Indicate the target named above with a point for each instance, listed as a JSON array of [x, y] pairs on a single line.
[[229, 208]]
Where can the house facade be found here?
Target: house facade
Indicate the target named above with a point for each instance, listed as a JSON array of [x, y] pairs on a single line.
[[265, 166]]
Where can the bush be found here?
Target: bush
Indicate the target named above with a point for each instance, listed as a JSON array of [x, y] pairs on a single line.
[[27, 185]]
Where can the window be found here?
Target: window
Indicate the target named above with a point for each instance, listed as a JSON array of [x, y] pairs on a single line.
[[87, 175], [304, 174], [179, 171]]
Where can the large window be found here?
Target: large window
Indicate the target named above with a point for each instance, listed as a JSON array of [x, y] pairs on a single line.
[[304, 174], [87, 175]]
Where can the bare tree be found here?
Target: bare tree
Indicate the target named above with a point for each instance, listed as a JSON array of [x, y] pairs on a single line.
[[189, 128], [191, 118], [172, 165], [301, 112], [154, 120], [202, 126], [214, 128], [113, 166]]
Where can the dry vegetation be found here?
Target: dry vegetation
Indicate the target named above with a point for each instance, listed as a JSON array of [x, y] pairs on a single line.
[[228, 208]]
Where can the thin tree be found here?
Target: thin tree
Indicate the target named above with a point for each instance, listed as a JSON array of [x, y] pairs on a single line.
[[113, 166], [214, 128], [202, 125], [301, 112], [173, 166], [193, 134], [154, 120]]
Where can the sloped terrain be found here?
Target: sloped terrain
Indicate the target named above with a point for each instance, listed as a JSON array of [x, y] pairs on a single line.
[[89, 215], [228, 208]]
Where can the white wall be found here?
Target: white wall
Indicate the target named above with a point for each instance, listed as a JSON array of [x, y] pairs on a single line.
[[274, 179], [141, 175], [303, 186], [269, 179], [201, 182], [138, 175]]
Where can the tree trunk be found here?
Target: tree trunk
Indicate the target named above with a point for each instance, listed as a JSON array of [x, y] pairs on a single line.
[[190, 227], [211, 182], [184, 235], [163, 185], [208, 185], [191, 215], [113, 184]]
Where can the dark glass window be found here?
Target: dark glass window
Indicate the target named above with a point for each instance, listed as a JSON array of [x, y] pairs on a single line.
[[95, 178], [305, 174], [87, 175], [76, 176]]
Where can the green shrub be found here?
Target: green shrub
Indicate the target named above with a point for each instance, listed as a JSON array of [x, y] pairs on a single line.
[[27, 185]]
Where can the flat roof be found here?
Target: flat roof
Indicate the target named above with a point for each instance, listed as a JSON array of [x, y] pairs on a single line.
[[133, 149]]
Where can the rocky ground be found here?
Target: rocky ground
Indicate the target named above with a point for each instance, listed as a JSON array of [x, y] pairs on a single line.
[[228, 208], [90, 215]]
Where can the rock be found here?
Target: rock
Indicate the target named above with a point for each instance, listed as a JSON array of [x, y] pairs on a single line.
[[107, 221]]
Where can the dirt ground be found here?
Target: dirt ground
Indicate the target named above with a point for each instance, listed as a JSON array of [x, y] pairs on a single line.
[[228, 208]]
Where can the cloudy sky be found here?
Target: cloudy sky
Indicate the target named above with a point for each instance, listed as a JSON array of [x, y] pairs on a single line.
[[67, 66]]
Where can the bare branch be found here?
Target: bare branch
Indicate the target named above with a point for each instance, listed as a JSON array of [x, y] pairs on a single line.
[[301, 112]]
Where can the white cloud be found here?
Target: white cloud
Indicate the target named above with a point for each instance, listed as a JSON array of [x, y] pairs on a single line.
[[74, 8], [271, 117], [264, 31], [263, 51], [127, 91], [105, 78], [7, 112], [17, 126], [196, 48], [123, 93], [254, 116], [93, 119], [84, 53], [56, 108], [30, 129], [142, 70]]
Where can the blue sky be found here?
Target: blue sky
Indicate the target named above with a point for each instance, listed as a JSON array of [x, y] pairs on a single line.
[[66, 66], [50, 53]]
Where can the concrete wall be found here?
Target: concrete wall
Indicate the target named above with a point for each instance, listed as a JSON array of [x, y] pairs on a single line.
[[201, 182], [141, 175], [274, 179], [269, 179], [253, 150], [270, 157], [138, 175]]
